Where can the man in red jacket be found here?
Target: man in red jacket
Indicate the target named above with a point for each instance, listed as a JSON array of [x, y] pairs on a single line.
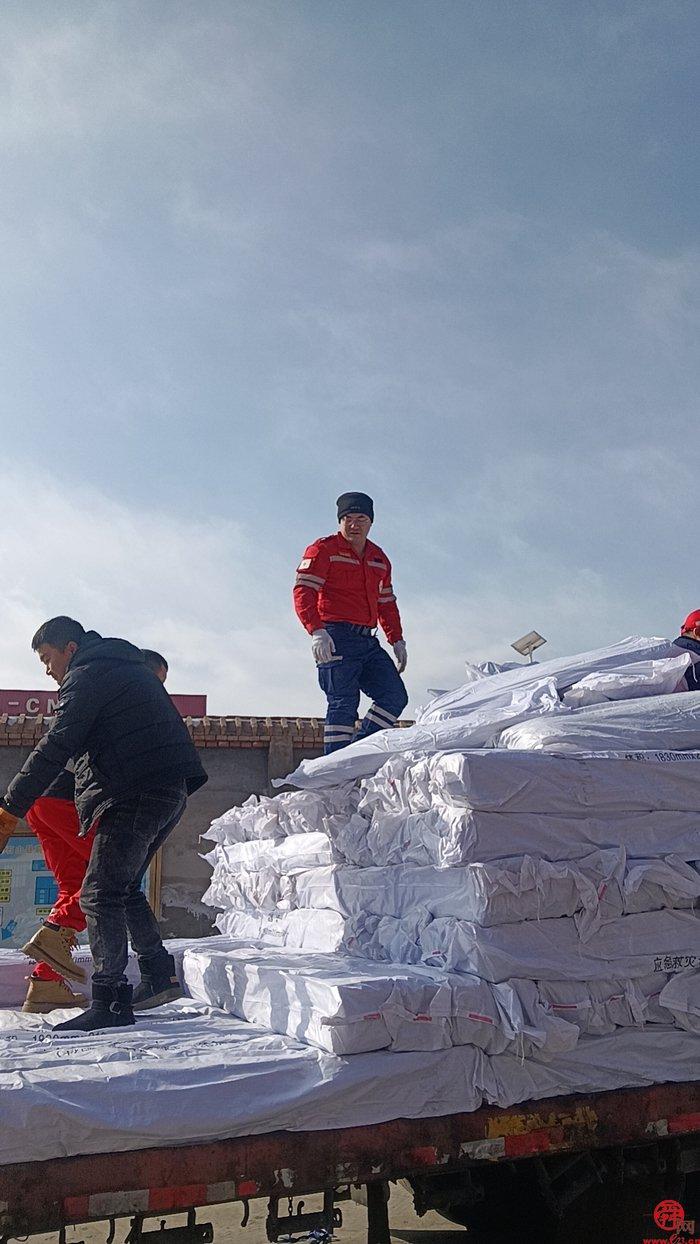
[[343, 589]]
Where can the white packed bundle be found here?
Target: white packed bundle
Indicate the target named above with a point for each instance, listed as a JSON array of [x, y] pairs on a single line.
[[598, 1007], [384, 939], [256, 818], [631, 682], [243, 888], [403, 784], [536, 1027], [303, 812], [521, 888], [649, 885], [498, 780], [507, 1016], [261, 873], [340, 1004], [203, 964], [388, 939], [681, 998], [602, 885], [630, 946], [349, 838], [448, 836], [286, 855], [303, 930], [667, 723]]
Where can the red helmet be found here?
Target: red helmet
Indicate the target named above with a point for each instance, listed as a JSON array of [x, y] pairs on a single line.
[[691, 622]]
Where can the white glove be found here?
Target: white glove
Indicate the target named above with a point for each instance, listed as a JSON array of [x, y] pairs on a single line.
[[401, 655], [322, 647]]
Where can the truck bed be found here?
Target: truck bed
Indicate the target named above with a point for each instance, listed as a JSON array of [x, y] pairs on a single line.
[[43, 1196]]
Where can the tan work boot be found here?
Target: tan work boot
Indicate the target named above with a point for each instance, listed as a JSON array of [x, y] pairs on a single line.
[[54, 946], [44, 996]]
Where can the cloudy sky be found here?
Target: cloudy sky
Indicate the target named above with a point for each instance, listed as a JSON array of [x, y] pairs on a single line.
[[258, 252]]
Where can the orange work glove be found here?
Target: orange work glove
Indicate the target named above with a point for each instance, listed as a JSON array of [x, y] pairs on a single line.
[[7, 824]]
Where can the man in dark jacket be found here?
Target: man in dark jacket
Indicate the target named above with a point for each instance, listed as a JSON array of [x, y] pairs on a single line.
[[135, 765], [689, 641]]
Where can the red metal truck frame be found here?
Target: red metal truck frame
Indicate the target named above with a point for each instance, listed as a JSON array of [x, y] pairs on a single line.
[[48, 1195]]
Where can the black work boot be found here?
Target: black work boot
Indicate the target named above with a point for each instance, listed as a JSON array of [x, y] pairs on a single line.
[[158, 984], [111, 1008]]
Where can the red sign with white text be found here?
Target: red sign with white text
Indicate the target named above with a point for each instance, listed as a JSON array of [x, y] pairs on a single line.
[[43, 703]]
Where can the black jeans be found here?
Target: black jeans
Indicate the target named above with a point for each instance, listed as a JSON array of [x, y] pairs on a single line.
[[127, 838]]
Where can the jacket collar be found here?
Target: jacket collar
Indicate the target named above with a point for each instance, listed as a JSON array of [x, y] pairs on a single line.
[[688, 643], [345, 546]]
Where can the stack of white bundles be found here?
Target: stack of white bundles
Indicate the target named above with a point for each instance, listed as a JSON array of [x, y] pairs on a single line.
[[554, 886]]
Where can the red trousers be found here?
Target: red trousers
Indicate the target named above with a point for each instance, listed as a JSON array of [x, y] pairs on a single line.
[[55, 823]]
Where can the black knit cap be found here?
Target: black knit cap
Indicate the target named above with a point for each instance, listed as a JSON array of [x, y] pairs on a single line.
[[355, 503]]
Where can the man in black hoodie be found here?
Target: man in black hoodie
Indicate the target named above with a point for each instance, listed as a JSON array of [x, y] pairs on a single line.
[[689, 641], [135, 765]]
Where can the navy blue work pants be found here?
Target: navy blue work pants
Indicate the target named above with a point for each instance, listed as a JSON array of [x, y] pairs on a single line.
[[360, 665]]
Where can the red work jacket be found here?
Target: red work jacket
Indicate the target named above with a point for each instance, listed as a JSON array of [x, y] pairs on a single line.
[[334, 585]]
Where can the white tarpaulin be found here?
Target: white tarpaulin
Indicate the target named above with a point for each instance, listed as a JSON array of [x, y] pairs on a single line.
[[105, 1092]]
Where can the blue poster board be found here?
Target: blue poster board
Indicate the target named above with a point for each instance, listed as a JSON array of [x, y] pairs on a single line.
[[27, 890]]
